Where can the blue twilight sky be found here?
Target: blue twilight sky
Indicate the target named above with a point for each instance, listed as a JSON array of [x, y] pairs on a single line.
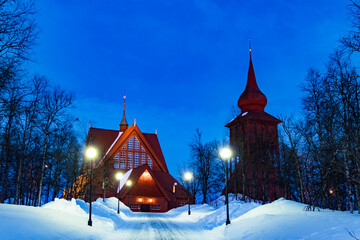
[[182, 63]]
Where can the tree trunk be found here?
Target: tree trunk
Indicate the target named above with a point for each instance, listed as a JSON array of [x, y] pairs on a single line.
[[42, 168]]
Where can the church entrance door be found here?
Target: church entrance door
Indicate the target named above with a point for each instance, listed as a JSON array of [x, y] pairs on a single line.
[[145, 208]]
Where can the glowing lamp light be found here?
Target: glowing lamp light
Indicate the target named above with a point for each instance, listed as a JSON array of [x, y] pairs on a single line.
[[150, 200], [119, 176], [188, 176], [140, 199], [128, 183], [225, 153], [331, 191], [90, 152]]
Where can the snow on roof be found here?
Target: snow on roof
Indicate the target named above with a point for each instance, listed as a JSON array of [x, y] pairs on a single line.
[[124, 180], [113, 144], [244, 114]]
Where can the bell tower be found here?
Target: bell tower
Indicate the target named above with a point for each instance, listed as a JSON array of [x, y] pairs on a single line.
[[254, 139]]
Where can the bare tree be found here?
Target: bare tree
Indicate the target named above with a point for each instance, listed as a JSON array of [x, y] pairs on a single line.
[[206, 165], [54, 104]]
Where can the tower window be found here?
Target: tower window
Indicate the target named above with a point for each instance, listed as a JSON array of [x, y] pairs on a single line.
[[124, 147], [142, 149]]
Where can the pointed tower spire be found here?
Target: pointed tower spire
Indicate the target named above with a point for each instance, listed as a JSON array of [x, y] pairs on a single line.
[[123, 123], [252, 98]]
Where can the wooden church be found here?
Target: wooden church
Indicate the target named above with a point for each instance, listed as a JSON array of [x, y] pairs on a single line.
[[254, 139], [147, 184]]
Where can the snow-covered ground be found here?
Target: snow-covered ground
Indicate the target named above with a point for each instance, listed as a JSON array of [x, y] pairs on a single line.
[[281, 219]]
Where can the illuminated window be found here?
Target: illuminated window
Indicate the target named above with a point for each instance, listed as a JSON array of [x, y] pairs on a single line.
[[142, 149], [136, 160], [129, 160], [137, 144], [123, 160], [116, 161], [143, 158], [149, 161], [124, 147], [155, 207], [130, 143]]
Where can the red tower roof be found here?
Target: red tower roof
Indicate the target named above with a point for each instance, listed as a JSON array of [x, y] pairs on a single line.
[[252, 98]]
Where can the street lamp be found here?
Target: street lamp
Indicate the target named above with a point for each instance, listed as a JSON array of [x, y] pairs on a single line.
[[174, 191], [225, 154], [90, 154], [188, 177], [128, 183], [119, 176]]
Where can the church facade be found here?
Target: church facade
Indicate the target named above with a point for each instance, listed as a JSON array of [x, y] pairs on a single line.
[[147, 184], [254, 139]]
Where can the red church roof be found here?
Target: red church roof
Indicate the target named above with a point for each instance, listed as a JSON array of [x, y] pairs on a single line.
[[154, 142], [253, 115], [104, 139]]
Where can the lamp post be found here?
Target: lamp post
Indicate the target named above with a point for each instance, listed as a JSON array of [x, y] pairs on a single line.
[[119, 176], [225, 154], [174, 191], [90, 154], [188, 177], [128, 184]]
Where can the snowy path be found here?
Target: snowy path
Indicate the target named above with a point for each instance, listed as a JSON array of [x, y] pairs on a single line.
[[143, 226], [153, 226]]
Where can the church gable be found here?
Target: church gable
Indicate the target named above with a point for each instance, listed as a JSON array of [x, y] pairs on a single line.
[[146, 186], [132, 150]]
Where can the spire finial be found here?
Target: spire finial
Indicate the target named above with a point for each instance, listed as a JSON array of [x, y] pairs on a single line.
[[123, 123], [124, 100], [250, 44]]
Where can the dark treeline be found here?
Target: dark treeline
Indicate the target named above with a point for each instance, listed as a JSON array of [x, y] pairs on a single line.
[[319, 159], [39, 151], [320, 154]]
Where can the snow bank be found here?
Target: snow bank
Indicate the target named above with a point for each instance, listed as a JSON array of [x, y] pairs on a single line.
[[65, 206], [284, 219], [281, 219]]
